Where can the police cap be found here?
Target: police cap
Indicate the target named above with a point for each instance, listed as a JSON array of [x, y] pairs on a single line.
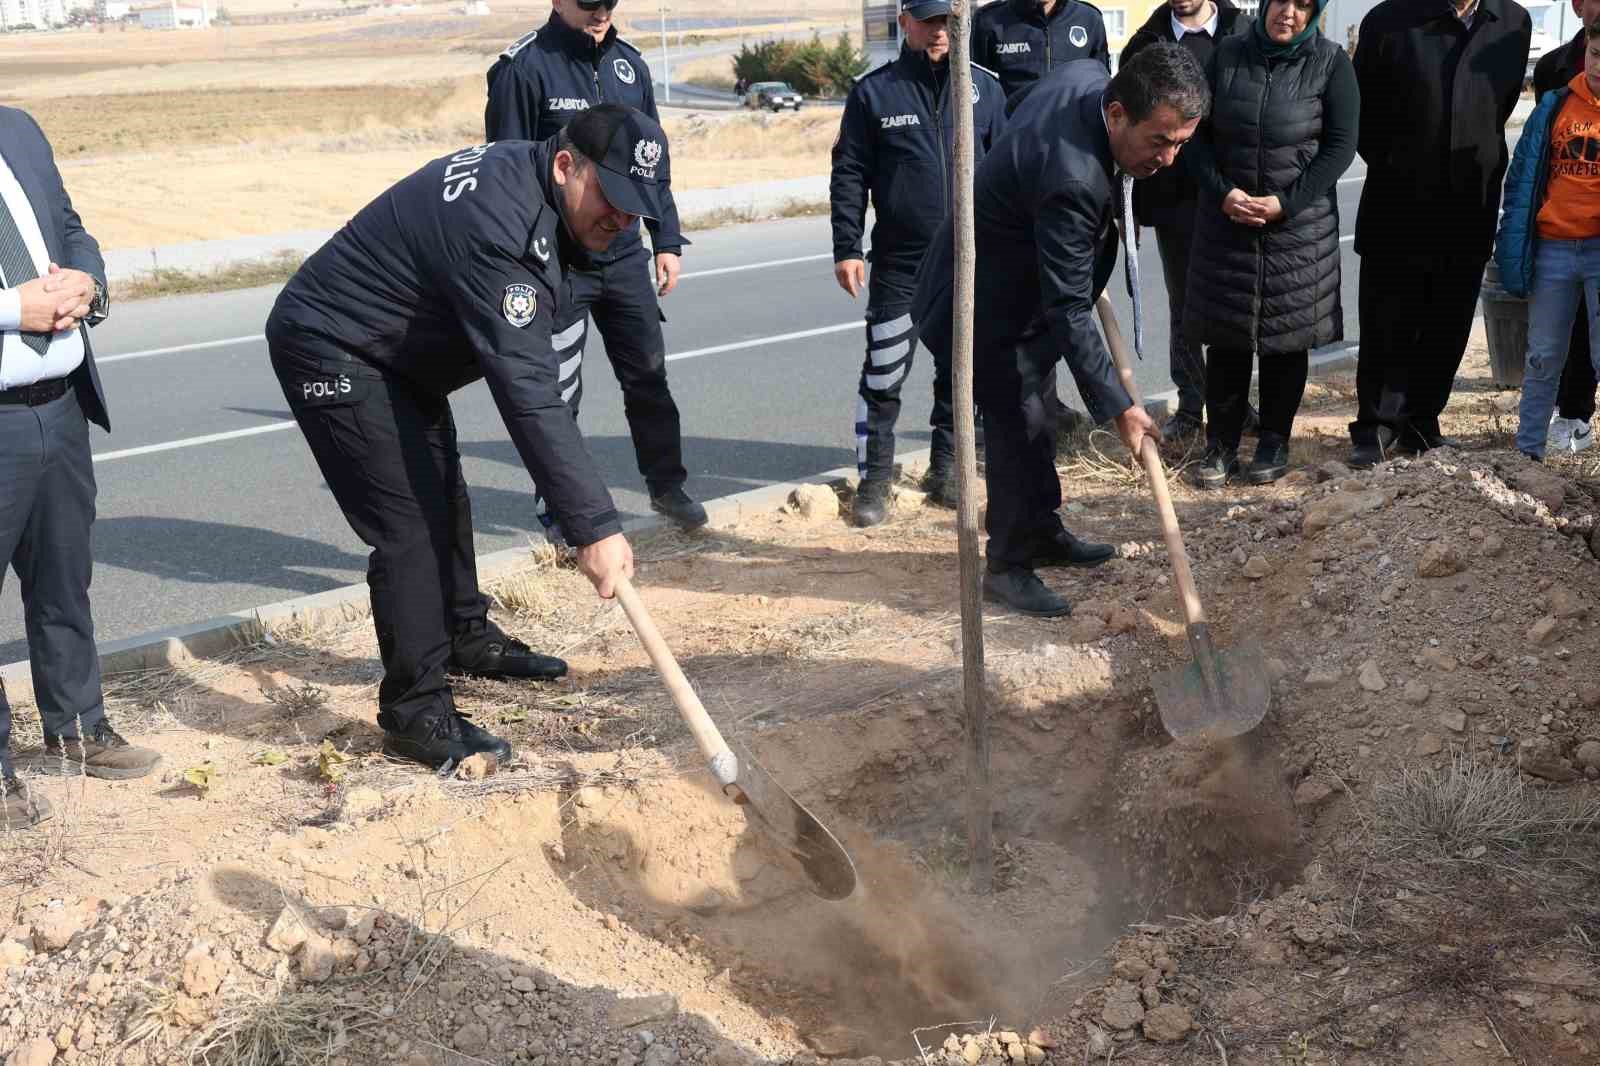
[[629, 152], [925, 9]]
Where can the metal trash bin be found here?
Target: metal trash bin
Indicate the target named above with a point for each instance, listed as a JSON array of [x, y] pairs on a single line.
[[1505, 322]]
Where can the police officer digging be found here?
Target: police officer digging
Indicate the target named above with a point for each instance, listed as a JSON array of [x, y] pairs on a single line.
[[459, 271], [1023, 40], [895, 145], [574, 62], [1047, 202]]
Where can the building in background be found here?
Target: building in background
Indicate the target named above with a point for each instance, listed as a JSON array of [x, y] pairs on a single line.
[[37, 14], [112, 10], [170, 16]]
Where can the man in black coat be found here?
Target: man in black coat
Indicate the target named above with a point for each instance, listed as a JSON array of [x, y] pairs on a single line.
[[459, 272], [1023, 40], [1047, 201], [1438, 83], [895, 148], [1168, 200], [1572, 430], [52, 287], [539, 84]]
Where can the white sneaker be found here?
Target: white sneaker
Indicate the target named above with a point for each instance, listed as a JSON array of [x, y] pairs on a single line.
[[1582, 435], [1560, 439]]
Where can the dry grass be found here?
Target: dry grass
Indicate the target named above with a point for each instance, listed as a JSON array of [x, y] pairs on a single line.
[[294, 700], [242, 274], [277, 1027]]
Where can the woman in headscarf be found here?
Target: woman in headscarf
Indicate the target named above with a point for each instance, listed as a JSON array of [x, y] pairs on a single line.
[[1264, 277]]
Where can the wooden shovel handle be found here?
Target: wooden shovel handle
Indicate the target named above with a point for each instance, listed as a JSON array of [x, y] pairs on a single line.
[[724, 764], [1155, 471]]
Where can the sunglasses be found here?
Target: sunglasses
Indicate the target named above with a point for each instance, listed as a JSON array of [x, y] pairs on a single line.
[[596, 5]]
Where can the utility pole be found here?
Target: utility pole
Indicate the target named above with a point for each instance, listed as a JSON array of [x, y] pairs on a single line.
[[980, 799], [666, 57]]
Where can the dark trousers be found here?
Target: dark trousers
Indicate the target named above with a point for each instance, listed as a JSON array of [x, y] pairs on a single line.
[[1283, 386], [891, 347], [622, 298], [388, 452], [1576, 399], [1416, 314], [47, 494], [1016, 388], [1185, 362]]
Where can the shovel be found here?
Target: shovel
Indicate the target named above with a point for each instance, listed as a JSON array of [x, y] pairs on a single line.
[[1221, 693], [778, 814]]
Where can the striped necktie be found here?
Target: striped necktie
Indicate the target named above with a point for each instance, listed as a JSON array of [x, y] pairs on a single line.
[[1130, 262], [18, 266]]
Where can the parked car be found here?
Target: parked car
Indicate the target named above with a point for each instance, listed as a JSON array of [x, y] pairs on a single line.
[[772, 96]]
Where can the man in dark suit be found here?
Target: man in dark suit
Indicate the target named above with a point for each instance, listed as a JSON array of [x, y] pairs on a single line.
[[1048, 197], [52, 285], [1439, 79]]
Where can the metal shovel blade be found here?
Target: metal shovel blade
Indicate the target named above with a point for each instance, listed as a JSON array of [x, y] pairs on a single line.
[[795, 829], [1219, 694]]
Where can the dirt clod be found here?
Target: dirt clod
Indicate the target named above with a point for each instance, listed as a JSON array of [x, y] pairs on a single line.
[[1168, 1023]]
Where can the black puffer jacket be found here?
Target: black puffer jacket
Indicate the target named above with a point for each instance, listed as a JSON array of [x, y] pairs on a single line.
[[1285, 127]]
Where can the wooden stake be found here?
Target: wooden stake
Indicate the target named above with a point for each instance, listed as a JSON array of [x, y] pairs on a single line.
[[980, 800]]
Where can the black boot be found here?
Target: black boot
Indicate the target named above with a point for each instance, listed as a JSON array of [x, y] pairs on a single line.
[[676, 505], [1063, 549], [1180, 427], [448, 736], [1270, 462], [490, 653], [872, 502], [1020, 589], [1372, 450], [1215, 468], [942, 485]]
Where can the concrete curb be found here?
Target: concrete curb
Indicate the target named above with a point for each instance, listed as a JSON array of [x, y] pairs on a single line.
[[223, 633]]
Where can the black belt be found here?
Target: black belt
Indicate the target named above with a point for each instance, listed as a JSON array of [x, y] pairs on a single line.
[[40, 392]]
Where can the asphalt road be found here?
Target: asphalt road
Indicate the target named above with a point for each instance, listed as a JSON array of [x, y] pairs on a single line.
[[210, 502]]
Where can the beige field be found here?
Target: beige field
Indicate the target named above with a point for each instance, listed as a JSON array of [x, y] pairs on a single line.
[[244, 130]]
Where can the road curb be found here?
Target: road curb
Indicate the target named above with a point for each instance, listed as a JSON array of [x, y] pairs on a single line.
[[223, 633]]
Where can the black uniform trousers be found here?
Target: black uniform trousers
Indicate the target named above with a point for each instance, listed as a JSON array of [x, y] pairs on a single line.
[[47, 501], [1186, 364], [1016, 395], [388, 452], [622, 298], [1576, 398], [1416, 314], [891, 346]]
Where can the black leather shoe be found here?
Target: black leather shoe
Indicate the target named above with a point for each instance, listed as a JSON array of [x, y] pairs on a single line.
[[1270, 462], [1063, 549], [676, 505], [1021, 590], [942, 485], [495, 656], [1215, 467], [448, 737], [1180, 427], [871, 504], [1366, 455]]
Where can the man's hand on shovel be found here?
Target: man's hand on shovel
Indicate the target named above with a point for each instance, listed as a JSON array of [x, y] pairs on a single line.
[[604, 561], [1134, 425]]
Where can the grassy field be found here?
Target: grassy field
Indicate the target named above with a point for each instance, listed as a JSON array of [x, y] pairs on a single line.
[[234, 131]]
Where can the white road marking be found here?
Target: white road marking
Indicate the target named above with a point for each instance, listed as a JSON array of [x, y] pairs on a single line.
[[192, 442], [754, 266], [103, 360], [759, 341]]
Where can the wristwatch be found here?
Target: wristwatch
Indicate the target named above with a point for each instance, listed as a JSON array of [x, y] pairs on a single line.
[[100, 306]]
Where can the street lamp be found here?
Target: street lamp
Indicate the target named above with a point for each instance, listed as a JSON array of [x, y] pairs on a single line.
[[666, 58]]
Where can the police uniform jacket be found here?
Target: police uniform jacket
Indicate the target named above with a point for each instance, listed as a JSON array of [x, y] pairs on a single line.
[[1046, 203], [545, 79], [456, 274], [1016, 40], [896, 143]]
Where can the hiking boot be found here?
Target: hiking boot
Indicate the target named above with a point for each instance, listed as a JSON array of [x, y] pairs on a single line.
[[449, 737], [1180, 427], [942, 485], [871, 504], [676, 505], [498, 656], [20, 806], [1215, 467], [1063, 549], [1020, 589], [1270, 462], [104, 755]]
